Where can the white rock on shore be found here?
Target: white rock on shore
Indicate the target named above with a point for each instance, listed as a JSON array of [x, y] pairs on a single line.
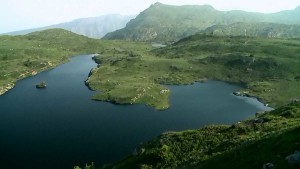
[[6, 88]]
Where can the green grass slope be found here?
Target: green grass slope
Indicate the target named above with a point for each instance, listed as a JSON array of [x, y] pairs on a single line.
[[127, 75], [268, 138], [259, 29], [165, 23]]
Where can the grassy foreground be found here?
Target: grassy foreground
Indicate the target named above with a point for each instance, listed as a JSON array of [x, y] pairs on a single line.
[[269, 138]]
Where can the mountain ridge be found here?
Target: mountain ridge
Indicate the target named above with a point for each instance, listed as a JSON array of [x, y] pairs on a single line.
[[257, 29], [162, 22], [93, 27]]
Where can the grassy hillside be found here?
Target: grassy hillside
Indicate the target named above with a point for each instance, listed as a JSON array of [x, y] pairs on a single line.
[[268, 138], [267, 68], [165, 23], [127, 76], [258, 29]]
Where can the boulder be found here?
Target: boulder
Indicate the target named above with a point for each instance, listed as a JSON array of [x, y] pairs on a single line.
[[268, 166], [41, 85], [294, 158]]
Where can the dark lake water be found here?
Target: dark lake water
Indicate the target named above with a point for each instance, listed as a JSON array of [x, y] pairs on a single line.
[[59, 127]]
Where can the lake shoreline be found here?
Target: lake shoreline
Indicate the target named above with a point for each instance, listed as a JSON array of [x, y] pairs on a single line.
[[10, 86]]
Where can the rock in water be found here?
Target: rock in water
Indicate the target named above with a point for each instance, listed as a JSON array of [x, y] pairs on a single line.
[[41, 85]]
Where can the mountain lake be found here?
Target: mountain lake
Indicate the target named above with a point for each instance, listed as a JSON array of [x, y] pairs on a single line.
[[60, 126]]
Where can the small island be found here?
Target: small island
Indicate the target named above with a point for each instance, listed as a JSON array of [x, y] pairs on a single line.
[[41, 85]]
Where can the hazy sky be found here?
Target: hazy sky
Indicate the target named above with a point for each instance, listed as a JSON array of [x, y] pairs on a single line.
[[24, 14]]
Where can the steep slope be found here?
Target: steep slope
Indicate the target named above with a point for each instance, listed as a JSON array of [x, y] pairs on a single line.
[[165, 22], [269, 138], [260, 29], [94, 27], [162, 22]]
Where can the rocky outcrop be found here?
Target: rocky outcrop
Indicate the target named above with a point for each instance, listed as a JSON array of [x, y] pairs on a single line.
[[244, 94], [6, 88], [41, 85]]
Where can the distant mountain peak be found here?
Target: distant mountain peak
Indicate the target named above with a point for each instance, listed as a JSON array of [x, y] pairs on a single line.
[[94, 27], [158, 3], [170, 23]]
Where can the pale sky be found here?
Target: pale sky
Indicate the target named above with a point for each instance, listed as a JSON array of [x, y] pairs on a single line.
[[24, 14]]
